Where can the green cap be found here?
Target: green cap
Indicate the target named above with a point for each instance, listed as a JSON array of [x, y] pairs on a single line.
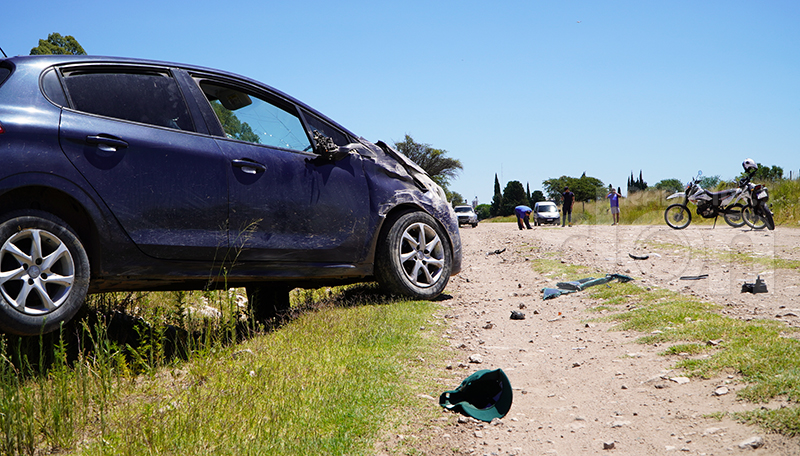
[[484, 395]]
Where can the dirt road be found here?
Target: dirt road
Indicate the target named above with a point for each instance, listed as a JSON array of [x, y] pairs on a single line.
[[579, 387]]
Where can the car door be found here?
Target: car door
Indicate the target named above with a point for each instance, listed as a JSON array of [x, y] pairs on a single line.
[[130, 135], [287, 204]]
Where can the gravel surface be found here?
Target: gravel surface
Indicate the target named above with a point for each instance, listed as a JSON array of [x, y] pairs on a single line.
[[581, 388]]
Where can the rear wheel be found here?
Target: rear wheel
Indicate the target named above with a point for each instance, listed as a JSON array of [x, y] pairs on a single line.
[[678, 216], [766, 214], [414, 258], [44, 273], [267, 300], [752, 219], [733, 216]]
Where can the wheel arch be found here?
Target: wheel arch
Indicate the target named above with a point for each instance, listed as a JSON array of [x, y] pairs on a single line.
[[395, 213], [62, 204]]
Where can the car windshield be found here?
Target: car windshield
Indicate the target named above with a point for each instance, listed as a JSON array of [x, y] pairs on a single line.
[[546, 208], [463, 209]]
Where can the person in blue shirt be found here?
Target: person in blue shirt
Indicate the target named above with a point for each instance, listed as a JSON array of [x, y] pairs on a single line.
[[523, 215], [613, 198]]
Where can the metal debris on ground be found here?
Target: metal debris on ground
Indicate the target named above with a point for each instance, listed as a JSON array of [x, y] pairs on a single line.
[[582, 284]]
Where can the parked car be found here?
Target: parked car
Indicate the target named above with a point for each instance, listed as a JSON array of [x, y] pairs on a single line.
[[128, 174], [545, 212], [466, 216]]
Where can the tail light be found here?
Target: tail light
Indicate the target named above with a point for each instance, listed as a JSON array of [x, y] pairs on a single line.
[[1, 129]]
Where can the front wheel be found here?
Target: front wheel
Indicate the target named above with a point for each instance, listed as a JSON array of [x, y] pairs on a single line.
[[678, 216], [44, 273], [414, 258], [733, 215], [753, 219]]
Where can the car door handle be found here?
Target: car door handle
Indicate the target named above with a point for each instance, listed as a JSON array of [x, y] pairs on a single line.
[[107, 143], [249, 167]]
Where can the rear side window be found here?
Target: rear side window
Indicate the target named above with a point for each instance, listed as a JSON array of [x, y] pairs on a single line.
[[146, 97], [4, 72]]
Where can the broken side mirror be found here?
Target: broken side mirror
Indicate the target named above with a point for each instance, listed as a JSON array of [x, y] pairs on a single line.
[[326, 148]]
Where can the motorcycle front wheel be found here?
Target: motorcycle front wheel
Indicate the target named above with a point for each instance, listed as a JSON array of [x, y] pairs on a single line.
[[733, 216], [752, 219], [678, 216]]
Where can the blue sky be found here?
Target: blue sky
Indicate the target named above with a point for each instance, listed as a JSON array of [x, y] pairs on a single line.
[[527, 90]]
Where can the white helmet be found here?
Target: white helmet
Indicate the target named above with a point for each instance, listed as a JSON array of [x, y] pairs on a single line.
[[749, 165]]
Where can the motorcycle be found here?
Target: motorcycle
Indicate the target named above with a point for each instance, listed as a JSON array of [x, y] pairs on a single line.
[[745, 204]]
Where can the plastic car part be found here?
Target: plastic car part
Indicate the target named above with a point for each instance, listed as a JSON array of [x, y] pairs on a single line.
[[44, 273], [414, 258]]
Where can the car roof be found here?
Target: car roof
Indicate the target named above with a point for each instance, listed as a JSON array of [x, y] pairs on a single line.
[[41, 62]]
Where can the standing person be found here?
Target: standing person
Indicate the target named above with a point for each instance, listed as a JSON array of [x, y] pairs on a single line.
[[613, 198], [566, 207], [523, 215]]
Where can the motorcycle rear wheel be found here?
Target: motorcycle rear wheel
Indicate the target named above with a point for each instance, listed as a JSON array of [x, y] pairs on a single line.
[[766, 214], [733, 216], [677, 216]]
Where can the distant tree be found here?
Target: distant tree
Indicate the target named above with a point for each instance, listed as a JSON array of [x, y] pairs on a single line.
[[435, 162], [484, 211], [585, 188], [528, 193], [497, 199], [57, 44], [710, 182], [536, 197], [513, 196], [670, 185], [457, 199], [635, 185]]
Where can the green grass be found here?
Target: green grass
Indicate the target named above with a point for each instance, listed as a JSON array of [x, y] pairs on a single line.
[[764, 352], [330, 381]]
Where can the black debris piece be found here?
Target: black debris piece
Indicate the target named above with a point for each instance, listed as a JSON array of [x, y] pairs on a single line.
[[697, 277], [758, 287], [497, 252], [638, 257], [517, 315]]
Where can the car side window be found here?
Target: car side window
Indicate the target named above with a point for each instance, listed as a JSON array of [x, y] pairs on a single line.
[[150, 97], [250, 118]]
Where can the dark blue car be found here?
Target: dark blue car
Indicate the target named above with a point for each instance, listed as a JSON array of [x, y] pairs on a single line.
[[126, 174]]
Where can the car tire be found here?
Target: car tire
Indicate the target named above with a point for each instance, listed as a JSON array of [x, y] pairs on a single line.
[[414, 257], [44, 273], [267, 300]]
